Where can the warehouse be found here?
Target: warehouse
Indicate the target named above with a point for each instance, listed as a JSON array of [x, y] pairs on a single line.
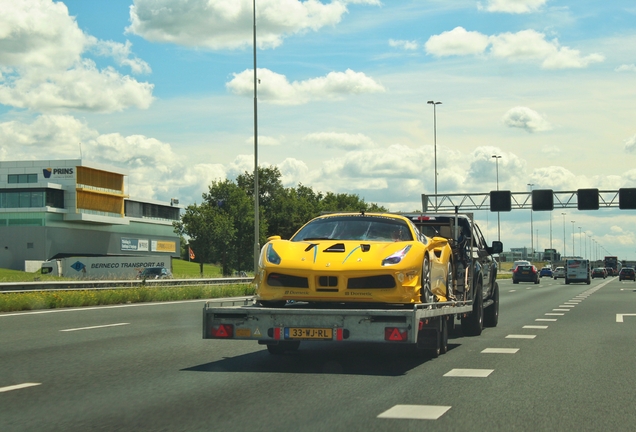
[[58, 208]]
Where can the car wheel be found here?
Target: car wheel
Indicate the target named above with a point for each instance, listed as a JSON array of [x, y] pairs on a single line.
[[491, 313], [426, 292], [473, 323]]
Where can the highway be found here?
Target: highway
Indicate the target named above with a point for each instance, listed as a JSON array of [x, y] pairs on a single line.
[[561, 358]]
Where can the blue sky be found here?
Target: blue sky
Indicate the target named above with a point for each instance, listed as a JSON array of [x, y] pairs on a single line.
[[163, 89]]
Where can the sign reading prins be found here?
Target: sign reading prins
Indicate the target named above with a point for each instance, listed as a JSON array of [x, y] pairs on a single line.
[[58, 172]]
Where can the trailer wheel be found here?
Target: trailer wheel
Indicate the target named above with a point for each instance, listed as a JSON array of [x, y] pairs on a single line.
[[567, 281], [429, 343], [426, 291], [283, 347], [491, 313], [473, 323]]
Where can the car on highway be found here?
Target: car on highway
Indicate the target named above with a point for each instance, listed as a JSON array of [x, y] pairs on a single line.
[[558, 272], [599, 272], [545, 271], [356, 257], [525, 273], [627, 273], [520, 262], [155, 273]]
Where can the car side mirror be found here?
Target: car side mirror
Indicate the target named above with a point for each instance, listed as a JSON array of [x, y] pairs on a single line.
[[497, 247]]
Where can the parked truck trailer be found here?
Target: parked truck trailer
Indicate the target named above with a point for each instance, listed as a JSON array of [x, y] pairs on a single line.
[[104, 267]]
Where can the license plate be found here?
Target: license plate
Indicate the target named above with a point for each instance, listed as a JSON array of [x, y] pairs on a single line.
[[308, 333]]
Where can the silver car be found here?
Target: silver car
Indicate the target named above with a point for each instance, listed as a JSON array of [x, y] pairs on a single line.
[[558, 272]]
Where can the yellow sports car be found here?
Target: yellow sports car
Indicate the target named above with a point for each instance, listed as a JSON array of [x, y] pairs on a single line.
[[355, 257]]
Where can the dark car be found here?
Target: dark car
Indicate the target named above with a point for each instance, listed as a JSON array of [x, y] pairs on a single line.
[[525, 273], [546, 271], [599, 272], [627, 273], [155, 273]]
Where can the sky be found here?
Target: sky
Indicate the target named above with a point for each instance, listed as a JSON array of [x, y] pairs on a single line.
[[164, 90]]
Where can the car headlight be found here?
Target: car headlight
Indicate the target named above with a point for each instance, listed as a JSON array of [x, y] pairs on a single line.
[[272, 256], [396, 257]]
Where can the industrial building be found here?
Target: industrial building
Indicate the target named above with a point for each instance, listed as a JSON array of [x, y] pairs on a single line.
[[59, 208]]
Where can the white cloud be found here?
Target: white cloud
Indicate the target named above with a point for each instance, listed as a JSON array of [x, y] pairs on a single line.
[[514, 6], [294, 171], [222, 24], [340, 140], [403, 44], [525, 45], [630, 144], [275, 88], [626, 68], [456, 42], [527, 119], [43, 69], [264, 140]]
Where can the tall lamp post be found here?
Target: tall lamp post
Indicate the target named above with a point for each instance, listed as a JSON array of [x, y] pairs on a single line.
[[256, 211], [531, 228], [497, 157], [435, 143], [580, 250], [564, 253], [573, 250]]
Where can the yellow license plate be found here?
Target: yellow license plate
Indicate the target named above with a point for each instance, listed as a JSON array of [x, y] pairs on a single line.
[[308, 333]]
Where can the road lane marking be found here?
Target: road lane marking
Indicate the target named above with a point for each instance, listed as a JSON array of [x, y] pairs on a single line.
[[18, 387], [619, 317], [512, 290], [560, 310], [518, 336], [536, 327], [567, 306], [500, 351], [415, 412], [545, 319], [94, 327], [470, 373]]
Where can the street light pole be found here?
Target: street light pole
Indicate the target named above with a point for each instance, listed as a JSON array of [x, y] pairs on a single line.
[[580, 251], [531, 228], [256, 210], [573, 250], [435, 143], [564, 253], [497, 157]]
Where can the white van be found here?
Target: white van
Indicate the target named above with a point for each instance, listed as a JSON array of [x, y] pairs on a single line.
[[577, 270]]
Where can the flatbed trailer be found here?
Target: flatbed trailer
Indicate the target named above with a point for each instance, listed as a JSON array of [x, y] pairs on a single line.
[[425, 326]]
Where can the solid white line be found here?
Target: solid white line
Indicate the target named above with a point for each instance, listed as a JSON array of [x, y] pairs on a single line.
[[500, 351], [94, 327], [536, 327], [470, 373], [415, 412], [517, 336], [545, 319], [18, 387], [80, 309]]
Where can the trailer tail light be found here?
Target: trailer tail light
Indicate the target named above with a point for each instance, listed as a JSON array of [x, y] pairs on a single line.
[[395, 334], [223, 331]]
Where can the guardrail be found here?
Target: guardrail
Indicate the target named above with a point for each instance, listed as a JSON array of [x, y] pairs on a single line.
[[7, 287]]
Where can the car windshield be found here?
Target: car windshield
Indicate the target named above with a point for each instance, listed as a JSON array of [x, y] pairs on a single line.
[[360, 227]]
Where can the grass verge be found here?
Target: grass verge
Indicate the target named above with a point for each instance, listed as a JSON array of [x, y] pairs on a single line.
[[11, 302]]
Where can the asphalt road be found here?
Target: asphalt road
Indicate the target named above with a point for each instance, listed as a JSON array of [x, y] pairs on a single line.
[[561, 359]]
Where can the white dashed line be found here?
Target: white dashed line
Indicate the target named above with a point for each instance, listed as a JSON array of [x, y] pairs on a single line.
[[18, 387], [94, 327], [415, 412], [536, 327], [567, 306], [500, 351], [545, 319], [560, 310], [554, 314], [517, 336], [470, 373]]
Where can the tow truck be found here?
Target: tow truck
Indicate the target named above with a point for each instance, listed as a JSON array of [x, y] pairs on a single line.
[[426, 326]]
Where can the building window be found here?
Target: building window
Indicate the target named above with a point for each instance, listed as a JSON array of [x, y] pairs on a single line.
[[22, 178], [29, 245], [31, 198]]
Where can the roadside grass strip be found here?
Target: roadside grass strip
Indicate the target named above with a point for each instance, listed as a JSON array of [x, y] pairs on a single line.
[[18, 387], [469, 373], [500, 351], [94, 327], [415, 412]]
